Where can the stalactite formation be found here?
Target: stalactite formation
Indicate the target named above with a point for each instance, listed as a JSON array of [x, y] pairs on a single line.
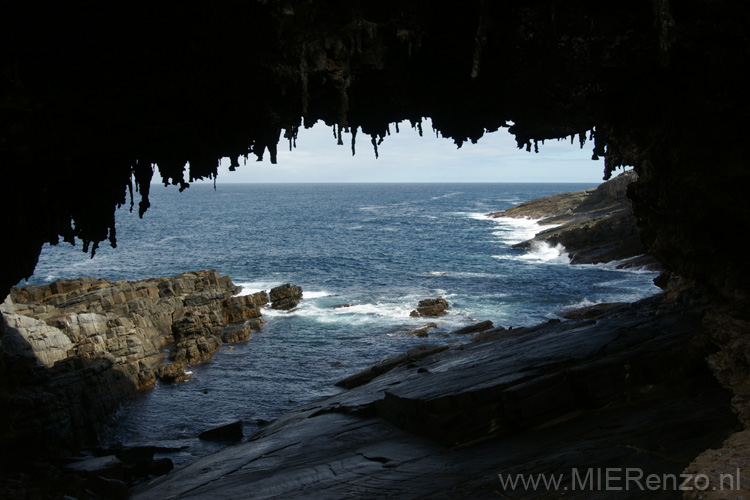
[[655, 85]]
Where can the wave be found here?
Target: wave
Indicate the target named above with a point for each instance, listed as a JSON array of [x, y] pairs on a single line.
[[463, 274], [475, 215], [328, 309], [540, 252], [448, 195], [511, 231], [316, 294], [585, 302], [617, 265], [354, 314], [251, 287]]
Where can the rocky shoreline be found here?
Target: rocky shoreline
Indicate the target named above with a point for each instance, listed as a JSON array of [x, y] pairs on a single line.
[[595, 225], [627, 388], [612, 385], [74, 350]]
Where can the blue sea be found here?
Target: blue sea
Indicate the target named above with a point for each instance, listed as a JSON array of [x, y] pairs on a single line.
[[376, 248]]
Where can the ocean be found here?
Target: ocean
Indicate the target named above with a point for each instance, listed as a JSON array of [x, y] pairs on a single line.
[[364, 255]]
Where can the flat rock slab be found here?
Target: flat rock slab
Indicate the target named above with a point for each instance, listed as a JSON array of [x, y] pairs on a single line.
[[563, 396]]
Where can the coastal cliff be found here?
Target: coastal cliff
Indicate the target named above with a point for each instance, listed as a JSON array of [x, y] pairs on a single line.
[[74, 350], [594, 226]]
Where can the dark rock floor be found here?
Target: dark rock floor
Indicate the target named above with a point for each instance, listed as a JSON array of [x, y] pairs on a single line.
[[628, 389]]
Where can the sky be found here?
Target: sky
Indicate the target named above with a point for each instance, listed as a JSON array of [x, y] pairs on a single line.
[[407, 157]]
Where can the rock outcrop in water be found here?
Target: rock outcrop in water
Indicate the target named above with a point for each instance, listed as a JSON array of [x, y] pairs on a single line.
[[595, 225], [430, 308], [74, 350], [285, 297]]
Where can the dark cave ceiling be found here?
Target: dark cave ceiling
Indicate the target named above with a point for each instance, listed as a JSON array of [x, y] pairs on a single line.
[[94, 98]]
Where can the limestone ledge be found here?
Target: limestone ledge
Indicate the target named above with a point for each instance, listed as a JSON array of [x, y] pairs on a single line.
[[73, 350]]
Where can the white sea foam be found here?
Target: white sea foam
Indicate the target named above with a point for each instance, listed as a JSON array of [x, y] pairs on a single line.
[[355, 314], [386, 313], [448, 195], [464, 274], [316, 294], [540, 252], [585, 302], [511, 231], [475, 215], [437, 273], [251, 287], [613, 266]]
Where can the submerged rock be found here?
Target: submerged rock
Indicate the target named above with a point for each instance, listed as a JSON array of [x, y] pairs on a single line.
[[173, 373], [240, 333], [423, 331]]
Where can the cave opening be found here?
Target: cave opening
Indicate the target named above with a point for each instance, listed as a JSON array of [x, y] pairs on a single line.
[[87, 107]]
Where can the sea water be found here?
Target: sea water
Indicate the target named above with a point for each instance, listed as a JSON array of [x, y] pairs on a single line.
[[364, 255]]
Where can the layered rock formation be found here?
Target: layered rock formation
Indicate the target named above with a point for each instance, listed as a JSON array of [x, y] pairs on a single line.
[[285, 297], [74, 350], [595, 225]]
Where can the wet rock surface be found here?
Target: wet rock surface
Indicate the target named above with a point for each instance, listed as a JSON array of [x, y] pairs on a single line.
[[423, 331], [619, 390], [285, 297], [475, 328]]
